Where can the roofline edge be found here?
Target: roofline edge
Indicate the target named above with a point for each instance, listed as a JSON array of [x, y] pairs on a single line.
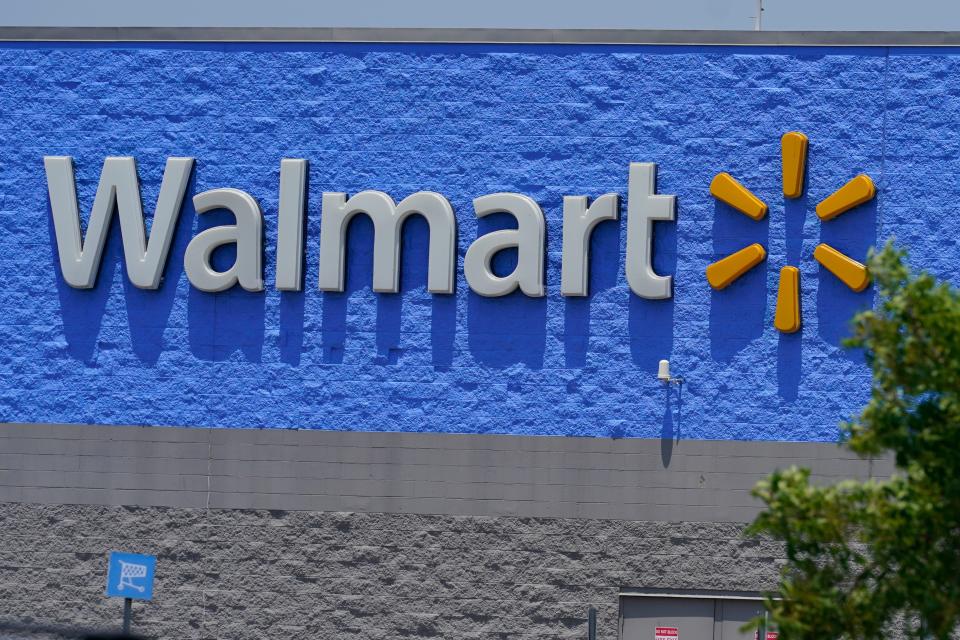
[[481, 36]]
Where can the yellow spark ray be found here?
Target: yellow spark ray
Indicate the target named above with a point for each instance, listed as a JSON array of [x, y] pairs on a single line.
[[722, 273], [787, 316], [848, 271], [793, 146], [725, 189], [854, 193]]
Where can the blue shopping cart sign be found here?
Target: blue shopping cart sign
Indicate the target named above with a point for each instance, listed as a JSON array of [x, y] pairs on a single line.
[[130, 575]]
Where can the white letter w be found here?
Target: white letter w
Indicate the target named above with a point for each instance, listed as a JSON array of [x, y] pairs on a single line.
[[119, 189]]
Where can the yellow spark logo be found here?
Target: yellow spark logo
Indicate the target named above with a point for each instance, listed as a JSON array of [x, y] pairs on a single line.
[[724, 272]]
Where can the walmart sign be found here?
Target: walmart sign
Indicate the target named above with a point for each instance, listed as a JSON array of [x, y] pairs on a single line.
[[146, 258]]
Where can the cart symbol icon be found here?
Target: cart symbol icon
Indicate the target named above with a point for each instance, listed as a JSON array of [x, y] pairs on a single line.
[[129, 571], [130, 575]]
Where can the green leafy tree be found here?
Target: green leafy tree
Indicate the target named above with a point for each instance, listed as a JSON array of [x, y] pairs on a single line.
[[866, 557]]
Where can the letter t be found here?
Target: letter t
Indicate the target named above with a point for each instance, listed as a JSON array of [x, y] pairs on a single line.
[[643, 207]]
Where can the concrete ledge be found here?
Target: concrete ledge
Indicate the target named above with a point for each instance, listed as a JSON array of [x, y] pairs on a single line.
[[404, 473], [475, 35]]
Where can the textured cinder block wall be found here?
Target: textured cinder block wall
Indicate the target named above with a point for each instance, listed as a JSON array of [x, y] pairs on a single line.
[[467, 120], [265, 533], [275, 574]]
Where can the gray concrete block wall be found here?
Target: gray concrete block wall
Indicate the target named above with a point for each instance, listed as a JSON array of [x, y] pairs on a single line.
[[266, 574], [300, 534]]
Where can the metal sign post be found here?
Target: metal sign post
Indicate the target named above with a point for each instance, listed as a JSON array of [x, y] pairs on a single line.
[[130, 576], [127, 614], [591, 623]]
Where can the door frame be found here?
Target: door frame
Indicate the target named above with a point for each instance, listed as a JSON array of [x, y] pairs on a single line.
[[692, 594]]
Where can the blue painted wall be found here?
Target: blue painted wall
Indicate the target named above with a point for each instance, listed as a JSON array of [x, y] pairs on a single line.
[[466, 121]]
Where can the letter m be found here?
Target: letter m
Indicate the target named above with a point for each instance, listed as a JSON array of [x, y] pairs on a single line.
[[119, 190], [388, 218]]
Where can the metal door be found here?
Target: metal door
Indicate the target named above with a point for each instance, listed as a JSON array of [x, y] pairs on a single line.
[[733, 614], [691, 617]]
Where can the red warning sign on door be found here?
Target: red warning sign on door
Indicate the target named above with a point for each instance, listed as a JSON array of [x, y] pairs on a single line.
[[666, 633], [771, 635]]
